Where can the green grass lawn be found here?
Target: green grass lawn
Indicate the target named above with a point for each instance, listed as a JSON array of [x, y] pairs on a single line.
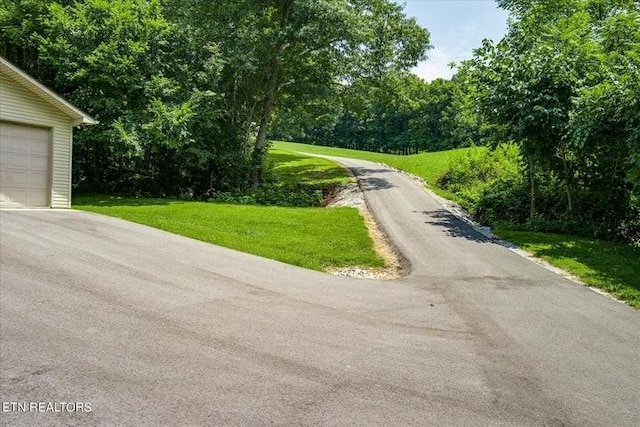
[[428, 166], [611, 266], [293, 168], [313, 238]]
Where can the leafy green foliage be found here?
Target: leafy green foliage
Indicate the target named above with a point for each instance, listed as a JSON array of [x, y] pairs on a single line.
[[398, 113], [21, 24], [185, 90], [127, 65], [275, 195], [563, 84], [489, 183], [629, 228], [292, 51]]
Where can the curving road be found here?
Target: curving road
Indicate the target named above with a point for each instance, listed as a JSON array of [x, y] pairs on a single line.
[[150, 328]]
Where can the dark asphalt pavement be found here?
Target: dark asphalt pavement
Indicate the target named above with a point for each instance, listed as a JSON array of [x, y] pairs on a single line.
[[150, 328]]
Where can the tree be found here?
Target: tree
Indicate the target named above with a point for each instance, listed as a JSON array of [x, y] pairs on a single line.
[[109, 57], [185, 91], [280, 48], [431, 128], [21, 24], [543, 83]]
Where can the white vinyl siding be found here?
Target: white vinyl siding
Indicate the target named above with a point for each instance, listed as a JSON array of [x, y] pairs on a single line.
[[20, 106]]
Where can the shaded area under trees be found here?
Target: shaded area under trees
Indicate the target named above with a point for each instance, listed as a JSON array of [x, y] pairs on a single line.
[[185, 90]]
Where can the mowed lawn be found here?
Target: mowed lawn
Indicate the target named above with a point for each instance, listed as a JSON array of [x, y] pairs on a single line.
[[428, 166], [314, 238], [294, 168]]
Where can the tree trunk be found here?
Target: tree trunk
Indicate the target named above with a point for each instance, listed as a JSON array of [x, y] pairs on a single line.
[[260, 146], [567, 184], [532, 191], [265, 118]]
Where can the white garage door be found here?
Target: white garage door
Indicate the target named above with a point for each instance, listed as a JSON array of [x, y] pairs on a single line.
[[24, 166]]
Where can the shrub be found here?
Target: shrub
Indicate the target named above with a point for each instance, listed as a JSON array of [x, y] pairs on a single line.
[[629, 229], [276, 195], [290, 195], [489, 184]]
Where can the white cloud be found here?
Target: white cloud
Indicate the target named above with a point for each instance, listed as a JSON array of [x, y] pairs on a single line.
[[457, 27], [436, 66]]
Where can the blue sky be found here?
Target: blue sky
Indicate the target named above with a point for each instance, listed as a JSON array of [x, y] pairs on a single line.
[[457, 27]]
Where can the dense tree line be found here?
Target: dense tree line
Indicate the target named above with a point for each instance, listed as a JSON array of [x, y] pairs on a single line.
[[399, 113], [563, 86], [185, 90]]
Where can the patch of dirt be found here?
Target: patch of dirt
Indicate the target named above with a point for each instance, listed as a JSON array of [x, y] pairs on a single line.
[[351, 195]]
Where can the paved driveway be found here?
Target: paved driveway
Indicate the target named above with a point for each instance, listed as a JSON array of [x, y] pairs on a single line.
[[150, 328]]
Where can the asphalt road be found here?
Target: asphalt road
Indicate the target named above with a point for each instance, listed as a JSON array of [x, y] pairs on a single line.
[[149, 328]]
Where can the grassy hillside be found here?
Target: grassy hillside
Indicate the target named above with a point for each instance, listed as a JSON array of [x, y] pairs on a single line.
[[429, 166], [290, 168]]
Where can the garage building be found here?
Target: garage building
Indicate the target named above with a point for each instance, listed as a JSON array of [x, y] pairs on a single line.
[[36, 131]]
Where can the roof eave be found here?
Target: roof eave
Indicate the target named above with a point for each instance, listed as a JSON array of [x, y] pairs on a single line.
[[84, 120], [77, 116]]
